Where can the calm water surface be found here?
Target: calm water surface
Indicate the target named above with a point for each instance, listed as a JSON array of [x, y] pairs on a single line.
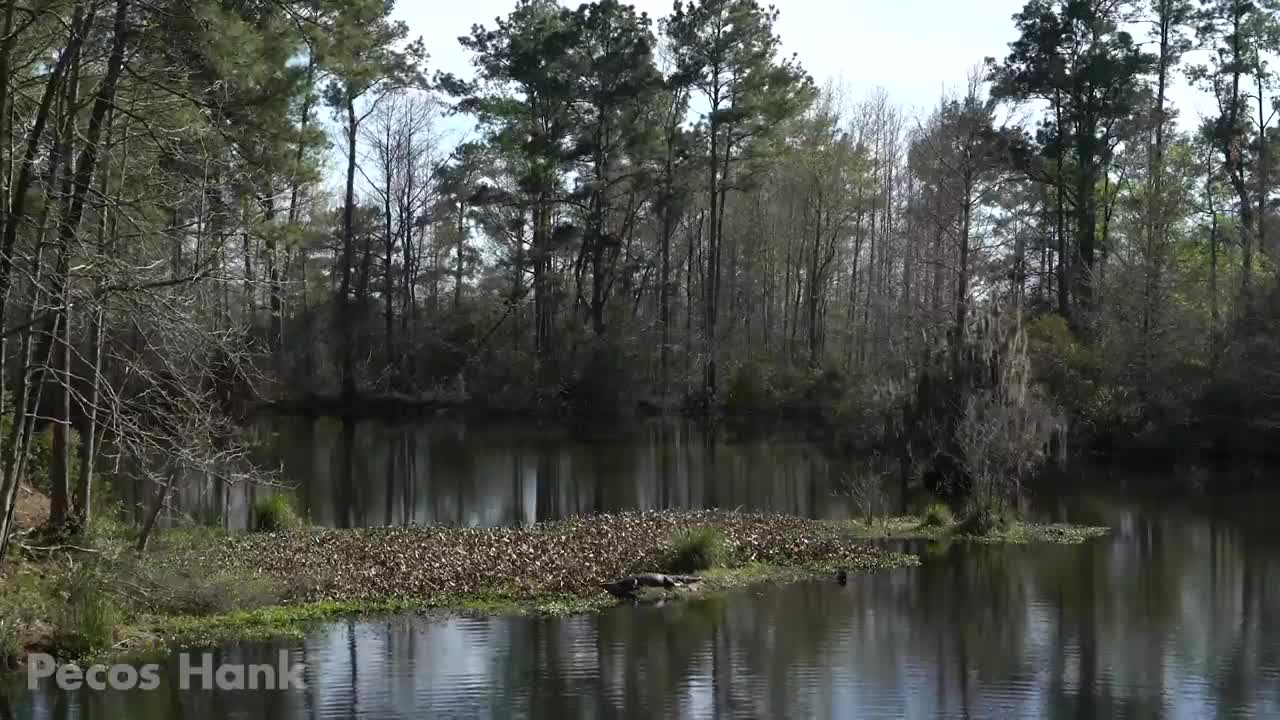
[[452, 473], [1175, 614]]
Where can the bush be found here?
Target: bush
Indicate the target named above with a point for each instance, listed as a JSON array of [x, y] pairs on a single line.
[[89, 618], [984, 520], [938, 514], [274, 513], [694, 549], [601, 383], [865, 486], [40, 452], [859, 413], [1075, 377], [750, 389]]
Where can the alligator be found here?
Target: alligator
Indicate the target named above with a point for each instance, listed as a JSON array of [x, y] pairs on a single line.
[[627, 587]]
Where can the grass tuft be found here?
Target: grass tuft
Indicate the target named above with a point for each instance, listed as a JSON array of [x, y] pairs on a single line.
[[89, 617], [274, 513], [694, 549], [938, 515]]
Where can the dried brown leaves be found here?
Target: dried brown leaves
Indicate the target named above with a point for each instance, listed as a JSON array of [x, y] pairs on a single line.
[[573, 556]]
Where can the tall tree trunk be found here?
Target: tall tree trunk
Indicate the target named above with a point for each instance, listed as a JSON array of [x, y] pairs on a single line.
[[1060, 230], [851, 323], [871, 280], [295, 187], [24, 401], [962, 276], [459, 256], [1020, 265], [275, 301], [27, 388], [1215, 323], [1155, 181], [711, 287], [8, 39], [664, 297], [346, 327], [158, 501], [388, 282], [69, 225], [1082, 261], [1246, 259], [1232, 140], [18, 190], [814, 286], [106, 243], [57, 337]]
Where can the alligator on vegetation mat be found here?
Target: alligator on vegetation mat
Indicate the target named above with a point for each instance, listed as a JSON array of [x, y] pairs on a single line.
[[627, 587]]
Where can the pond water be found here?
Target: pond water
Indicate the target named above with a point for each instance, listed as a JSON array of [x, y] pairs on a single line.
[[455, 473], [1175, 614]]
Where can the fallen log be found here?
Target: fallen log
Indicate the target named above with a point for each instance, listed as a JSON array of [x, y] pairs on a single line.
[[628, 586]]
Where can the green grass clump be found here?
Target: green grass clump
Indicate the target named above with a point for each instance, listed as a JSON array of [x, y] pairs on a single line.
[[694, 549], [938, 515], [274, 513], [89, 617]]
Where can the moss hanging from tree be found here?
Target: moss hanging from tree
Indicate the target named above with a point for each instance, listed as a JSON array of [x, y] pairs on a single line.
[[976, 421]]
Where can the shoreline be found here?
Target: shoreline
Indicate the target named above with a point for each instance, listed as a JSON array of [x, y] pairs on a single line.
[[200, 587], [822, 417], [164, 634]]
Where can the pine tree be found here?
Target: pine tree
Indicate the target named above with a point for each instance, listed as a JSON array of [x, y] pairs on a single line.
[[361, 57], [727, 52], [1075, 54], [524, 97]]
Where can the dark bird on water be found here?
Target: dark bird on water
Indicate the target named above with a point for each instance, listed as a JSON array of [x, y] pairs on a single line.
[[842, 577]]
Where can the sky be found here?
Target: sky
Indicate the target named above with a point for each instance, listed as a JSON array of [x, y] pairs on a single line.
[[916, 50]]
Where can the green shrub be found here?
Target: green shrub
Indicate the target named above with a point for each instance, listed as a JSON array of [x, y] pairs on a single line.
[[749, 389], [984, 520], [788, 384], [601, 383], [40, 453], [938, 514], [694, 549], [274, 513]]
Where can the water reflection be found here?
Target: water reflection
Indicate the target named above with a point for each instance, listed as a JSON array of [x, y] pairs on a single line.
[[450, 473], [1177, 614]]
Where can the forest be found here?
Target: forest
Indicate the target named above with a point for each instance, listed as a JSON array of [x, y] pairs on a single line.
[[215, 206]]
